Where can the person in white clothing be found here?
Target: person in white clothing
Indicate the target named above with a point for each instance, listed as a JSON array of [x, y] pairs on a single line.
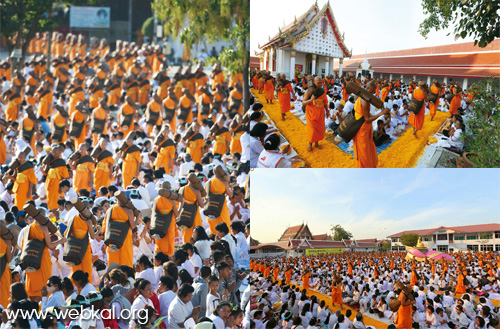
[[54, 288], [271, 157], [220, 316], [81, 280], [455, 138], [181, 310], [144, 289], [166, 294], [257, 135], [223, 234]]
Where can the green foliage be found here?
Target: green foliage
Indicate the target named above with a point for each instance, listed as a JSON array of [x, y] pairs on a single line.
[[482, 135], [409, 239], [386, 246], [338, 233], [148, 27], [476, 18]]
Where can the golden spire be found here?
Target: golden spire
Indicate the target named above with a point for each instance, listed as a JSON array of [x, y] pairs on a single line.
[[343, 33]]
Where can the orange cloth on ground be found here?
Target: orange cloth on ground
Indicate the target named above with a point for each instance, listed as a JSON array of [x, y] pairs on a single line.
[[36, 280], [315, 116], [5, 280], [81, 230], [124, 255], [102, 173], [81, 176], [364, 148], [129, 167], [455, 104], [22, 186], [165, 156], [218, 187], [460, 288], [195, 149], [221, 141], [284, 97], [190, 197], [54, 177], [269, 89], [305, 280], [337, 295], [404, 320], [417, 121], [433, 107], [166, 244]]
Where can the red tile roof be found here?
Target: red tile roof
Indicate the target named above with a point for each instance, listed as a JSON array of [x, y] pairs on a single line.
[[459, 229], [320, 236]]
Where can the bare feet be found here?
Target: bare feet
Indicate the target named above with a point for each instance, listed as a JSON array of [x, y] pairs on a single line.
[[318, 146], [432, 118], [309, 147]]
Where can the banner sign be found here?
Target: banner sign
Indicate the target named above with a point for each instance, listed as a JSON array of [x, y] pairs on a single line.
[[89, 17], [311, 252], [299, 68]]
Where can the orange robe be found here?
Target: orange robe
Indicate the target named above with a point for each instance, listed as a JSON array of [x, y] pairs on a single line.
[[59, 122], [124, 255], [36, 280], [144, 88], [12, 110], [82, 174], [79, 117], [455, 104], [460, 288], [127, 110], [235, 146], [190, 198], [288, 275], [433, 107], [3, 148], [218, 187], [57, 171], [305, 280], [80, 230], [315, 116], [365, 150], [284, 97], [269, 89], [337, 295], [165, 155], [94, 97], [114, 94], [385, 92], [44, 106], [167, 243], [130, 164], [25, 176], [218, 79], [403, 319], [222, 138], [78, 95], [169, 112], [186, 105], [195, 146], [5, 280], [100, 114], [102, 174], [154, 107], [417, 121]]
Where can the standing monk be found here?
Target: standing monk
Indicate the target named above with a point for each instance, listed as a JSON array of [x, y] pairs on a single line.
[[316, 106], [417, 120], [404, 320], [269, 87], [435, 92], [55, 170], [104, 167], [165, 147], [191, 196], [83, 168], [305, 278], [365, 150], [131, 160], [164, 206], [285, 91], [24, 181]]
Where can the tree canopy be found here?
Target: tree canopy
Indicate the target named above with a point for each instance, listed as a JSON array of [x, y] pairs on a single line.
[[409, 239], [476, 18], [339, 233]]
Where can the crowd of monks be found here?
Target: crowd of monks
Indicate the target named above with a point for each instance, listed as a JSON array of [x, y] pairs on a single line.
[[100, 118], [316, 93], [356, 278]]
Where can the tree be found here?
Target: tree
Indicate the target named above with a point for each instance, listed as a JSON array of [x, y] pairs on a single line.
[[200, 21], [482, 136], [147, 27], [409, 239], [339, 233], [385, 246], [476, 18]]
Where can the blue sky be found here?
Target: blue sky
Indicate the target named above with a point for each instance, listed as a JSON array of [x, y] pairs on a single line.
[[371, 203], [380, 25]]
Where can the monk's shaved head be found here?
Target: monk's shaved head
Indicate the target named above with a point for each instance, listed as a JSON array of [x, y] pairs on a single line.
[[317, 78], [371, 84]]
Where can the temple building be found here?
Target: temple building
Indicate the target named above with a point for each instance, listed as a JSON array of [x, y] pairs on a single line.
[[308, 45]]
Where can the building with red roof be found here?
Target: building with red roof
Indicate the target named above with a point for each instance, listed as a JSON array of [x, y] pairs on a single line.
[[480, 237]]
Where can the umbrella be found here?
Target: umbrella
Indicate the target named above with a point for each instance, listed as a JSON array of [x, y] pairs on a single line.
[[444, 257], [432, 253], [414, 254]]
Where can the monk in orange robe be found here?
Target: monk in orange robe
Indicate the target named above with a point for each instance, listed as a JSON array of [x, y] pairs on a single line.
[[78, 125], [235, 146], [165, 206], [222, 138], [153, 115], [80, 230], [24, 182], [77, 95], [83, 170], [5, 278], [126, 115], [195, 144], [114, 91], [316, 107], [435, 90], [404, 320], [14, 100], [305, 280], [186, 102], [236, 101], [99, 118], [385, 92], [166, 151], [169, 107], [417, 120], [337, 295], [124, 255], [191, 196], [36, 280], [58, 127], [218, 186], [131, 162], [460, 288], [104, 167], [288, 275], [364, 148], [456, 101], [3, 147], [218, 77], [285, 93], [269, 88], [56, 170], [45, 101], [144, 88]]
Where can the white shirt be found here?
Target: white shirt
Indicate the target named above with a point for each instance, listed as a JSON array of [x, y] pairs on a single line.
[[56, 299], [87, 289], [149, 274], [165, 300], [256, 149], [273, 159], [152, 190], [68, 196], [140, 204], [185, 168], [232, 245], [178, 312], [217, 321], [245, 147], [138, 304], [203, 247], [145, 194], [196, 261]]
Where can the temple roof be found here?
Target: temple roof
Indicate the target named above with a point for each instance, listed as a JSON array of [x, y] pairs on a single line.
[[302, 25]]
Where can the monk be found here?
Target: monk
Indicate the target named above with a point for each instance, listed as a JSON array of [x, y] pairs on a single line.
[[3, 147], [166, 150], [460, 288], [144, 88], [385, 92], [221, 137], [435, 90], [104, 168], [44, 95], [99, 118], [80, 230], [131, 161], [36, 280], [56, 170], [186, 101], [170, 104], [269, 88], [14, 100], [337, 294], [195, 143], [236, 132], [126, 115], [114, 91], [417, 120], [219, 186], [77, 126], [83, 168], [456, 100], [165, 206], [95, 93], [288, 275], [305, 280], [285, 94], [404, 320], [124, 255], [316, 106], [5, 277], [191, 196], [236, 100], [365, 150], [217, 76], [205, 99], [24, 181], [153, 117]]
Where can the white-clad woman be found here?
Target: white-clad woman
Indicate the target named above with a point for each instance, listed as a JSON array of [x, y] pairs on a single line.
[[257, 135], [271, 156]]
